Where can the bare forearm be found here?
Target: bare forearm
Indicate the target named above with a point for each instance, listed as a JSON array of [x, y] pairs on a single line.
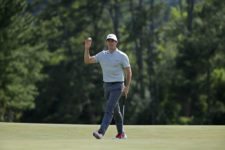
[[128, 77], [86, 56]]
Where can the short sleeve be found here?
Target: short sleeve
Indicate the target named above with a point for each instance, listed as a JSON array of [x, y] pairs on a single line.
[[98, 57], [125, 61]]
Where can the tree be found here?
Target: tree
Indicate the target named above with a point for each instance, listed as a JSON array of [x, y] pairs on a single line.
[[69, 93], [195, 62], [22, 57]]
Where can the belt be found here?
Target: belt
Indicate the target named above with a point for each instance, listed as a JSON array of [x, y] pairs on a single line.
[[114, 82]]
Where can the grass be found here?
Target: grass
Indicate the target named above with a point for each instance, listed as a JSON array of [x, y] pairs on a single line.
[[19, 136]]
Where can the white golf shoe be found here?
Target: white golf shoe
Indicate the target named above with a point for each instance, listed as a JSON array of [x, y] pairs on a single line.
[[97, 135]]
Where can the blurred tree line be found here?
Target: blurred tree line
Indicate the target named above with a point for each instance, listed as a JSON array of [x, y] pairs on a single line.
[[176, 49]]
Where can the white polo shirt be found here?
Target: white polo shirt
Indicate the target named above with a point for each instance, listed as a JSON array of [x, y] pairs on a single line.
[[112, 65]]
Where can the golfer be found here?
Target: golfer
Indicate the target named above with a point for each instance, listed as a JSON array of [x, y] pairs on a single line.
[[115, 68]]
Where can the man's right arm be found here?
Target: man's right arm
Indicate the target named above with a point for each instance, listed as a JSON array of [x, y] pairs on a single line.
[[87, 58]]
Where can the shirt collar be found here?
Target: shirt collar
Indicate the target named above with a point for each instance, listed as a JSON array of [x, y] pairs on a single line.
[[113, 51]]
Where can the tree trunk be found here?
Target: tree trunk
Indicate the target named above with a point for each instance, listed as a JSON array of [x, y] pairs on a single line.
[[190, 15], [151, 73], [138, 47], [115, 12]]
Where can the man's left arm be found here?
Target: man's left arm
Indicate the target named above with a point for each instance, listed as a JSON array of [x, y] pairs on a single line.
[[128, 76]]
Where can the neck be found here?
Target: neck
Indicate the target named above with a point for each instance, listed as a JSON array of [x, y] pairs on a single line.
[[112, 50]]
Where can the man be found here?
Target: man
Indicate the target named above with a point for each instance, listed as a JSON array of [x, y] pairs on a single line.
[[114, 64]]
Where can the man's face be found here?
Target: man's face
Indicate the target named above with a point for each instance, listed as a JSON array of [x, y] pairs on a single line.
[[111, 44]]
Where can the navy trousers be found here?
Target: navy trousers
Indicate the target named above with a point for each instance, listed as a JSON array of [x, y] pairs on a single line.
[[112, 93]]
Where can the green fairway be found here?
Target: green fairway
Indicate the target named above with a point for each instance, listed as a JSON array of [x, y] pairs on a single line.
[[16, 136]]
